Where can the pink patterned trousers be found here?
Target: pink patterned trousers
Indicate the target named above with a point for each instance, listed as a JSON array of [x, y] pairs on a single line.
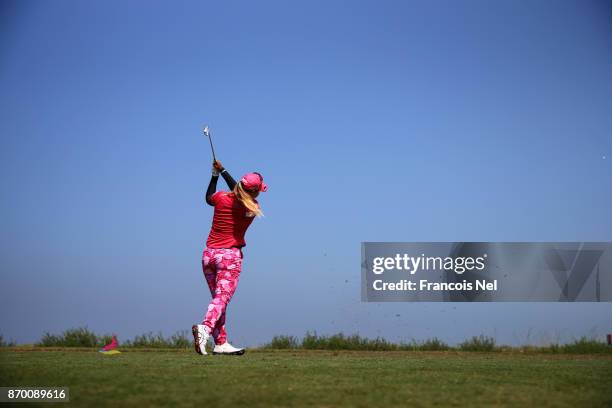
[[221, 268]]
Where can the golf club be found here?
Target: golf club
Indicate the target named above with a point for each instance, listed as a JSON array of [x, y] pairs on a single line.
[[207, 132]]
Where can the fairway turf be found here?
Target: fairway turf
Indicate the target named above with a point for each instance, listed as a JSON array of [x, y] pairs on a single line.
[[315, 378]]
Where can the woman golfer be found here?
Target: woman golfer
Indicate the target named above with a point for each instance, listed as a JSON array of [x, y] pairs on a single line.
[[222, 257]]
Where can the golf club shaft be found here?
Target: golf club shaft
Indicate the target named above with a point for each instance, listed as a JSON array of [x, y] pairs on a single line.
[[211, 145]]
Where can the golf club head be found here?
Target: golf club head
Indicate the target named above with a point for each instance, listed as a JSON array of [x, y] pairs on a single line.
[[207, 132]]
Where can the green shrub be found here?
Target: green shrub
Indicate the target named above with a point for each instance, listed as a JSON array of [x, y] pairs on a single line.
[[148, 340], [312, 341], [83, 337], [77, 337], [282, 343], [340, 341], [434, 344], [478, 343], [4, 343], [179, 340], [584, 345]]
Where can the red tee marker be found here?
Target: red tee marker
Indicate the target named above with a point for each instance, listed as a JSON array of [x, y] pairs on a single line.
[[112, 345]]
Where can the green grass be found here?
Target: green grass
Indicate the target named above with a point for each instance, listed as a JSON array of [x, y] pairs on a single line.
[[316, 378]]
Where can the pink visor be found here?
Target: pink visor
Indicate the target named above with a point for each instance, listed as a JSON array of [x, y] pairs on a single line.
[[253, 182]]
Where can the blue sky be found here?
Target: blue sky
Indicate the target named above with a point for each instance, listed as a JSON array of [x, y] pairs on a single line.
[[370, 121]]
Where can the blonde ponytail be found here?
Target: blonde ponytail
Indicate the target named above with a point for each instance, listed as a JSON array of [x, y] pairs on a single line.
[[246, 199]]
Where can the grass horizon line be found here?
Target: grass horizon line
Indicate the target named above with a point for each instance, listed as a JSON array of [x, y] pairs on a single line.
[[84, 338]]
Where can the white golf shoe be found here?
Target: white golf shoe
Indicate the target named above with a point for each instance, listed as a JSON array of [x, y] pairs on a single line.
[[228, 350], [200, 338]]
